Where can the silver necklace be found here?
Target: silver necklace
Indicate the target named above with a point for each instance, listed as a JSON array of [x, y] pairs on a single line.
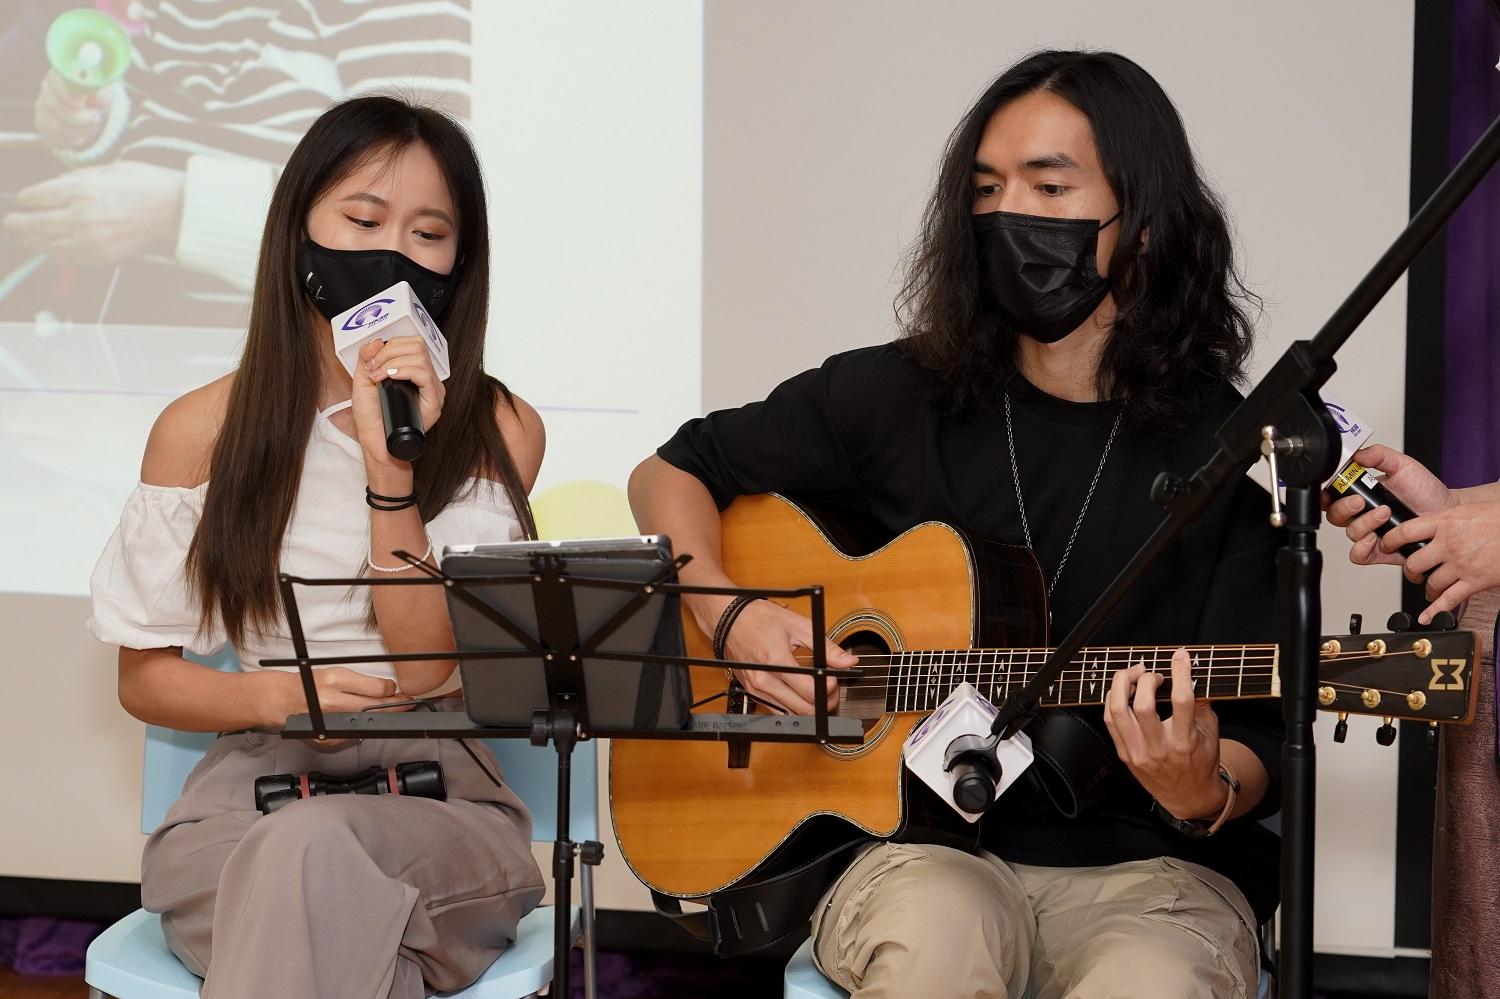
[[1015, 475]]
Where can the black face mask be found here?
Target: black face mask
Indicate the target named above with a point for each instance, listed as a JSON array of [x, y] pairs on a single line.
[[1040, 274], [338, 280]]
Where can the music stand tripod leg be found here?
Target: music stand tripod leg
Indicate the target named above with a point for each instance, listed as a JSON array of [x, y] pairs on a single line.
[[591, 854], [560, 727]]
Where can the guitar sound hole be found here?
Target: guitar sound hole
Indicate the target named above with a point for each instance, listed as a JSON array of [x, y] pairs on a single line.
[[866, 643], [865, 701]]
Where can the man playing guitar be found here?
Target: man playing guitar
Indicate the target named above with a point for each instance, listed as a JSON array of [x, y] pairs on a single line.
[[1072, 326]]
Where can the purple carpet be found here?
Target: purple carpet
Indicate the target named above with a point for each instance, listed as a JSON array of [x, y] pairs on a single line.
[[37, 946]]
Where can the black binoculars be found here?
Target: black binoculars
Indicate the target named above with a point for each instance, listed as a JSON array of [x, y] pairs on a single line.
[[422, 779]]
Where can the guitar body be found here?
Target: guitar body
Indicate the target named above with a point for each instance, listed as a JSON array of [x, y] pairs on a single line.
[[689, 824]]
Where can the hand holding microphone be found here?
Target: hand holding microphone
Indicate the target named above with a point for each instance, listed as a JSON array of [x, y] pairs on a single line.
[[339, 283], [1366, 521], [398, 360], [403, 400], [1452, 547]]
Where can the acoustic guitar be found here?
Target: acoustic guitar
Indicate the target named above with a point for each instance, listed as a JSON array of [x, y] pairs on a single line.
[[926, 612]]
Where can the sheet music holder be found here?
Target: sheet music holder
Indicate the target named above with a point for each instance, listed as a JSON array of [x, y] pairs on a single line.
[[558, 648]]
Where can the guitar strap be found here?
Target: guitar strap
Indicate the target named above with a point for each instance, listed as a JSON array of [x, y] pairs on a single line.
[[755, 914], [1076, 760]]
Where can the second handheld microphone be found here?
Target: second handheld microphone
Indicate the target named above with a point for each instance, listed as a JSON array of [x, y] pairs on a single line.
[[1356, 480], [1353, 479]]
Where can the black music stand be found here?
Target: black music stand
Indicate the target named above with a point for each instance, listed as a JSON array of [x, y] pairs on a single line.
[[560, 649]]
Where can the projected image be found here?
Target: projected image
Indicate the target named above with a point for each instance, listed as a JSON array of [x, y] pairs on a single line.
[[139, 145], [144, 140]]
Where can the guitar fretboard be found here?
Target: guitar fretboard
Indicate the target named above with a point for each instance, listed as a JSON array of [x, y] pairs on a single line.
[[918, 681]]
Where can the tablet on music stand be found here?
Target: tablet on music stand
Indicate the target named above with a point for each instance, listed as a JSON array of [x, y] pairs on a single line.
[[622, 695]]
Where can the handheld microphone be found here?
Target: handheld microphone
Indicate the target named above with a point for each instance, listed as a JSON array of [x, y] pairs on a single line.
[[396, 311], [1353, 479], [401, 408]]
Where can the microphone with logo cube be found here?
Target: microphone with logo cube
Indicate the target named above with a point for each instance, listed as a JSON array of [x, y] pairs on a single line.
[[394, 312]]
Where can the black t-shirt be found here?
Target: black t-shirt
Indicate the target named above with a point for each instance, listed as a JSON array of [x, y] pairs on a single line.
[[861, 435]]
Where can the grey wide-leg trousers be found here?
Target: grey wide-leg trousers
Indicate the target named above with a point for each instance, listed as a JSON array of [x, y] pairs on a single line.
[[354, 896]]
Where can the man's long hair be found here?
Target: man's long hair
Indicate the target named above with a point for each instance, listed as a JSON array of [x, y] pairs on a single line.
[[1181, 325], [256, 463]]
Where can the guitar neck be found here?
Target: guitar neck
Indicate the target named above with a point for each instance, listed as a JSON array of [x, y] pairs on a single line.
[[918, 681]]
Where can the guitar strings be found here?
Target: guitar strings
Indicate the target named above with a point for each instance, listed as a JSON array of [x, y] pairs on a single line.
[[1218, 669], [1226, 667], [1227, 661]]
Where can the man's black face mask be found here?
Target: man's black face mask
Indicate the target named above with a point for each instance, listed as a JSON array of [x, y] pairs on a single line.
[[1040, 274]]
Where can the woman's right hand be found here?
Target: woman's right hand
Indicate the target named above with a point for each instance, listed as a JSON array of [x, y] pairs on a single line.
[[340, 691], [1409, 479], [768, 633]]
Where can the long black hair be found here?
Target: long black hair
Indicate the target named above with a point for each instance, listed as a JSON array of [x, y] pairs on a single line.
[[1182, 325], [256, 463]]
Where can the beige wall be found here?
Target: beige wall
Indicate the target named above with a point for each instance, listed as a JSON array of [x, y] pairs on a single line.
[[72, 783]]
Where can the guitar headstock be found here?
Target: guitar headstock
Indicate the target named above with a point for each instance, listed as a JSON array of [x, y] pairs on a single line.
[[1416, 675]]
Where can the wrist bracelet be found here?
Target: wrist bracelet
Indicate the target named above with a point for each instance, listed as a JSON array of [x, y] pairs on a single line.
[[375, 501], [370, 560], [1203, 828], [726, 621]]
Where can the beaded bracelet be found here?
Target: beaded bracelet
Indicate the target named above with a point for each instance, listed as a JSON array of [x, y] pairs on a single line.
[[370, 560]]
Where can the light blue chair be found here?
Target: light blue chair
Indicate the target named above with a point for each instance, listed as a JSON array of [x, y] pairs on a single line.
[[130, 960], [803, 979]]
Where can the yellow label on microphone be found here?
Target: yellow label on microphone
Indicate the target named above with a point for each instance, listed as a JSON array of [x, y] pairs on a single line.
[[1350, 475]]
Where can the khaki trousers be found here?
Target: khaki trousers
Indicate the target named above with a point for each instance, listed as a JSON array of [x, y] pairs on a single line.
[[339, 897], [911, 920]]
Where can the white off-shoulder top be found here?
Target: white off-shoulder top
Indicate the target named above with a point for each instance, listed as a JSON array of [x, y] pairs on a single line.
[[141, 599]]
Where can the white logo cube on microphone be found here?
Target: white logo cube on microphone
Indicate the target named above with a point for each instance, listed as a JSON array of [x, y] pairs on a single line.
[[963, 712], [396, 311], [1354, 433]]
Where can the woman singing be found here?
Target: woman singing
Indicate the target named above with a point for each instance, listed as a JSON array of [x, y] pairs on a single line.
[[281, 466]]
